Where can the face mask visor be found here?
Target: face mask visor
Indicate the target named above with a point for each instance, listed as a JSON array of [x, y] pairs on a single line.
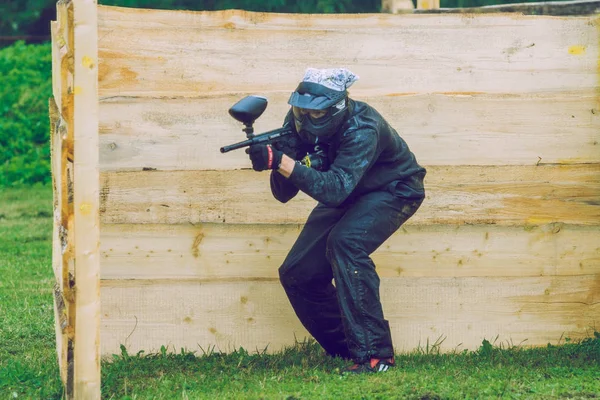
[[316, 117], [312, 96], [313, 125]]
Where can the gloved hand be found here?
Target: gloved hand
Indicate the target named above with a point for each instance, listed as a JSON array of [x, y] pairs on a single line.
[[292, 146], [264, 157]]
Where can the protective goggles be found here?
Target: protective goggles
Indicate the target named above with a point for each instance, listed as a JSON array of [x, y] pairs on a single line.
[[315, 116]]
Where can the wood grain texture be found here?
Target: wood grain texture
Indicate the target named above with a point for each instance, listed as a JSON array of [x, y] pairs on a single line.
[[504, 195], [84, 95], [257, 316], [441, 129], [58, 190], [428, 4], [229, 252], [55, 50], [61, 144], [503, 110], [171, 53]]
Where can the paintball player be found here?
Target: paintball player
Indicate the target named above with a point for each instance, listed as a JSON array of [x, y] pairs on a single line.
[[368, 187]]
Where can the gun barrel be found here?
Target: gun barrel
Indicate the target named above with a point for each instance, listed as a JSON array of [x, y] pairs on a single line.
[[267, 137], [236, 146]]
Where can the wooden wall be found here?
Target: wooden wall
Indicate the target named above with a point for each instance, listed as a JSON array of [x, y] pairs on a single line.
[[503, 110]]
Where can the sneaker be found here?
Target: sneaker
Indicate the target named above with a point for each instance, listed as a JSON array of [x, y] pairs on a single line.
[[375, 365]]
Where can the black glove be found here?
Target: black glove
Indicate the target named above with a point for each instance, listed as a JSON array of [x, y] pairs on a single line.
[[292, 146], [264, 157]]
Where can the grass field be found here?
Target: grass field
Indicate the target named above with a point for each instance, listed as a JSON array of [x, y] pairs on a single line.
[[28, 366]]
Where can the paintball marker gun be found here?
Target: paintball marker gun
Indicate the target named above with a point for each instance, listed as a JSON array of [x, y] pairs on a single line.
[[247, 110]]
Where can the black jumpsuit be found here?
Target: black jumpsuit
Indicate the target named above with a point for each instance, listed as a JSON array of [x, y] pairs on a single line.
[[373, 185]]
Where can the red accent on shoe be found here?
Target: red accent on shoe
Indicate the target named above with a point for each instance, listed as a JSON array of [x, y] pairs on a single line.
[[375, 361], [373, 365]]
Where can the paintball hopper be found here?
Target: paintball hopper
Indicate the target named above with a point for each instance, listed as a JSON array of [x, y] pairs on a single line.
[[247, 110]]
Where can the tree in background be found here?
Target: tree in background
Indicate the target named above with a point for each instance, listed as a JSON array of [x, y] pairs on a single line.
[[25, 86], [25, 18]]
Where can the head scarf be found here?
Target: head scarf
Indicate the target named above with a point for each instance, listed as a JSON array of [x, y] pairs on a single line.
[[339, 79]]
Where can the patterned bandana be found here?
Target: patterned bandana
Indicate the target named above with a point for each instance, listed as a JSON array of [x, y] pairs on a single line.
[[338, 79]]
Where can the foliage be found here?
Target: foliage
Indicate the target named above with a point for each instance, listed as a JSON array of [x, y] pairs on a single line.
[[285, 6], [25, 86], [28, 367], [19, 16]]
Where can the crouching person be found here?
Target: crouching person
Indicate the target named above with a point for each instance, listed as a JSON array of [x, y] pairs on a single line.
[[368, 184]]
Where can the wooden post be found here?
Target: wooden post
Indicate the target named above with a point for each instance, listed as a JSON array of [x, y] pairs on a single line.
[[397, 6], [74, 133], [86, 201], [428, 4], [62, 156]]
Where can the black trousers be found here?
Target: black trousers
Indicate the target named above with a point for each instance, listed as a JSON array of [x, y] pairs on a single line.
[[335, 244]]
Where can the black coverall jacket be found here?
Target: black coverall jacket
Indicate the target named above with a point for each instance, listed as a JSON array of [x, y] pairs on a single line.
[[373, 185]]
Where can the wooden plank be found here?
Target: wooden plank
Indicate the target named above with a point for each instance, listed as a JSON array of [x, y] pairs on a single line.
[[60, 53], [145, 315], [62, 252], [61, 328], [67, 237], [86, 193], [64, 41], [62, 173], [55, 48], [57, 189], [441, 129], [200, 316], [503, 195], [228, 252], [182, 53]]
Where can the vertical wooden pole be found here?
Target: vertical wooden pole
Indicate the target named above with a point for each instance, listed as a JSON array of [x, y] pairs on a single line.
[[396, 6], [86, 200], [62, 156], [428, 4], [61, 309]]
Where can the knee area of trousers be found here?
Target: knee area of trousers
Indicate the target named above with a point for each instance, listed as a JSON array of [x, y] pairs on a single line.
[[339, 244], [287, 277]]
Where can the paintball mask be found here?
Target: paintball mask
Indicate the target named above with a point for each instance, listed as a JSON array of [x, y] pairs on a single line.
[[319, 103]]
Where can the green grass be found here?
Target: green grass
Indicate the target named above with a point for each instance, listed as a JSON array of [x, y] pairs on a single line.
[[28, 367]]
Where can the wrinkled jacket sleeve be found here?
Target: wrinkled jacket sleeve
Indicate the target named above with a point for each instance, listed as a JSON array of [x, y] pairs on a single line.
[[283, 190], [281, 187], [357, 151]]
